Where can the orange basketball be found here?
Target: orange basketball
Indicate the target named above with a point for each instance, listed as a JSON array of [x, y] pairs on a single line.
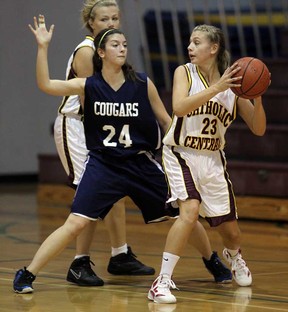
[[255, 78]]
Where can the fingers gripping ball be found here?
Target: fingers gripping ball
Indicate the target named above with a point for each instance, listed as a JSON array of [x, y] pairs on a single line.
[[255, 78]]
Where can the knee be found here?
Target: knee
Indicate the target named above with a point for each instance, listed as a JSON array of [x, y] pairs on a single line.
[[75, 224], [232, 235], [189, 215]]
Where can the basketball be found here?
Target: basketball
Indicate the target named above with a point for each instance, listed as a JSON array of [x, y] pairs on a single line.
[[255, 78]]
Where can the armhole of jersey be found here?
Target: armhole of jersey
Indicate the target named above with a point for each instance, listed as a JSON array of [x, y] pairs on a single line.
[[189, 78]]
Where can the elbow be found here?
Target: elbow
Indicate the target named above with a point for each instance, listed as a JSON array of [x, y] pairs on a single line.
[[44, 87], [178, 112], [41, 86], [180, 107], [259, 127], [260, 132]]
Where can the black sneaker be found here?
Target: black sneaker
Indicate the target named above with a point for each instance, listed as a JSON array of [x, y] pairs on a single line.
[[23, 280], [81, 273], [220, 272], [127, 264]]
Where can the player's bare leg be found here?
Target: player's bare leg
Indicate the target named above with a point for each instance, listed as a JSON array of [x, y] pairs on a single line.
[[50, 248], [122, 261]]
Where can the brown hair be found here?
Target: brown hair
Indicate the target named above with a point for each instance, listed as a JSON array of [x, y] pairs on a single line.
[[100, 43]]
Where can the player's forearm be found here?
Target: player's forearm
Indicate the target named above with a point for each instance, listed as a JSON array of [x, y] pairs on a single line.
[[42, 69], [192, 102], [259, 118]]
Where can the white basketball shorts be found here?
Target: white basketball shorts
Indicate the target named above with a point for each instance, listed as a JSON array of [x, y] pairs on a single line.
[[71, 146], [200, 175]]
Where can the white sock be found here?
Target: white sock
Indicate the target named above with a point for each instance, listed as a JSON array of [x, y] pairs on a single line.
[[169, 262], [233, 252], [80, 256], [119, 250]]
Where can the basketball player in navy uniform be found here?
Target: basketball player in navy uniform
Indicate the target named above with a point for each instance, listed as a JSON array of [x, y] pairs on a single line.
[[194, 161], [71, 147], [123, 120]]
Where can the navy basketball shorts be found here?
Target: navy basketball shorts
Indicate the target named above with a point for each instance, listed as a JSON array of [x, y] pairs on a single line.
[[106, 179]]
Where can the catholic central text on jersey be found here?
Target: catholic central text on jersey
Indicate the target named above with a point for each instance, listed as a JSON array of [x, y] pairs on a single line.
[[116, 109], [216, 109]]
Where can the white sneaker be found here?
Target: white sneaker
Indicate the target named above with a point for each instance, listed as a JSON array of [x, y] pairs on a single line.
[[240, 271], [160, 290]]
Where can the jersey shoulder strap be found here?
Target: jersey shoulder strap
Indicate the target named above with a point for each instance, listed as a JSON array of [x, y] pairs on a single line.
[[188, 73]]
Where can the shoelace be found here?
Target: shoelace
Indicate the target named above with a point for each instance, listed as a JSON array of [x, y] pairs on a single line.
[[240, 265], [87, 266], [167, 283], [130, 253], [28, 275], [132, 257]]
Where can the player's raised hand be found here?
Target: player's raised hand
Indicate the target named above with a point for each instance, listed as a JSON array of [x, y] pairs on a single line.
[[42, 35]]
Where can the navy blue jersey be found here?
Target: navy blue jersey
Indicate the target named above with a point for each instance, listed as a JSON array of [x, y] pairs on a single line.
[[119, 123]]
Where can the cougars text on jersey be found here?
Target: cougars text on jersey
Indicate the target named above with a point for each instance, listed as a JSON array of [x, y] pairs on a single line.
[[116, 109]]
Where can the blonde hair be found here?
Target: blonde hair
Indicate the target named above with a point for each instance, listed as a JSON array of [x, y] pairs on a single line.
[[215, 35], [88, 10]]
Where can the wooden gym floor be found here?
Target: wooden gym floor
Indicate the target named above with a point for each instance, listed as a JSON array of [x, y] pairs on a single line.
[[25, 224]]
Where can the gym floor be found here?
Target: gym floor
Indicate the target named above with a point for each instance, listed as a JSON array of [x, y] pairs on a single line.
[[25, 224]]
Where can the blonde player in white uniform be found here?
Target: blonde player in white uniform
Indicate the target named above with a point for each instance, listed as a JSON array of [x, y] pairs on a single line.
[[203, 108], [71, 146]]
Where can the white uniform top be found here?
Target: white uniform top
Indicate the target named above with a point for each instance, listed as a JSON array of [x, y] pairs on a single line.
[[193, 156], [71, 104], [204, 128], [68, 128]]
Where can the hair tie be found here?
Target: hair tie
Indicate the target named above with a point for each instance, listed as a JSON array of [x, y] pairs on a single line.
[[101, 39]]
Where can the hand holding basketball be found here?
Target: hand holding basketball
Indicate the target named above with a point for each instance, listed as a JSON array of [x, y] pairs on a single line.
[[255, 78]]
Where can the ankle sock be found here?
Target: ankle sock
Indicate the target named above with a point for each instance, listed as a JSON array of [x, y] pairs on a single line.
[[80, 256], [119, 250], [233, 252]]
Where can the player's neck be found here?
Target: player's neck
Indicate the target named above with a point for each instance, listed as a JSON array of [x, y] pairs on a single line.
[[210, 73], [114, 78]]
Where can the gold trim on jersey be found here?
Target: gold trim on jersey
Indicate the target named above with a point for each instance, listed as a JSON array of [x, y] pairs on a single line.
[[189, 78], [206, 85], [89, 37]]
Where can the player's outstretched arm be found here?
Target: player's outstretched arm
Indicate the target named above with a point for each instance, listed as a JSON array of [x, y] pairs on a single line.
[[47, 85], [43, 38]]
